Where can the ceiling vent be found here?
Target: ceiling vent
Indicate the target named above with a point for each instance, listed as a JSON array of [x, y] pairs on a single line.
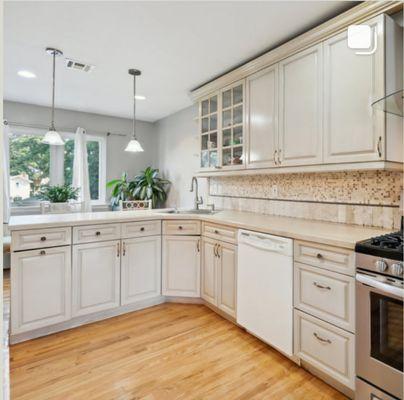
[[79, 66]]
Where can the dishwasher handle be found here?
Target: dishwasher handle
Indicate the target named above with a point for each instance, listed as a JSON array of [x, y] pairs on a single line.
[[265, 243]]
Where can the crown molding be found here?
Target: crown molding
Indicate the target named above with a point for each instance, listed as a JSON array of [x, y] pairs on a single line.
[[357, 14]]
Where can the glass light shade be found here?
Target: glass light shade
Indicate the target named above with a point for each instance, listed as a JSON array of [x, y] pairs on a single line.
[[52, 137], [134, 146]]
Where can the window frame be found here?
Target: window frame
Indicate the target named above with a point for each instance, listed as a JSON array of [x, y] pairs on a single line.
[[56, 170]]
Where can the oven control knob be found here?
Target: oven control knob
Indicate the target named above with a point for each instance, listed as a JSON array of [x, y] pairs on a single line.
[[397, 269], [381, 265]]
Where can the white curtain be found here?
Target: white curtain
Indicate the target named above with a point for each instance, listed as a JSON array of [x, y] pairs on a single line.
[[6, 173], [80, 169]]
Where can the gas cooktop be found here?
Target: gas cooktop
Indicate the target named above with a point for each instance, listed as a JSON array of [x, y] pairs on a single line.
[[386, 246]]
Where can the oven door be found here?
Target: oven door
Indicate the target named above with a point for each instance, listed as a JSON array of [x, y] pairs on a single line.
[[379, 329]]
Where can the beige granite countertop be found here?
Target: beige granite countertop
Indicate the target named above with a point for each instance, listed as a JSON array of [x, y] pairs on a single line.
[[331, 233]]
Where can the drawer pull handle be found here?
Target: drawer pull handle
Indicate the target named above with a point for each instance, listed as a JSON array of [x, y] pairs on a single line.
[[98, 233], [198, 246], [216, 231], [42, 252], [118, 249], [319, 256], [321, 339], [214, 249], [43, 238], [124, 248], [321, 286], [142, 229], [180, 228]]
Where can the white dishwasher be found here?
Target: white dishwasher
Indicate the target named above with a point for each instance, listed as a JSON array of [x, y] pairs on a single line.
[[265, 288]]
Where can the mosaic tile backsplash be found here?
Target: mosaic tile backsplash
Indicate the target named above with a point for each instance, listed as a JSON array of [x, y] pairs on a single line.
[[368, 198]]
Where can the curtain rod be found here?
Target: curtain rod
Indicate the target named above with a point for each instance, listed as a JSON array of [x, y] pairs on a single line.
[[38, 126]]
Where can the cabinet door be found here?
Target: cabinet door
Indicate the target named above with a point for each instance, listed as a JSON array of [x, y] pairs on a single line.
[[208, 130], [262, 118], [40, 288], [300, 108], [181, 266], [352, 81], [96, 270], [209, 271], [227, 275], [140, 269]]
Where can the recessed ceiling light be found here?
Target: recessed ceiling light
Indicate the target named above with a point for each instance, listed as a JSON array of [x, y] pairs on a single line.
[[140, 97], [26, 74]]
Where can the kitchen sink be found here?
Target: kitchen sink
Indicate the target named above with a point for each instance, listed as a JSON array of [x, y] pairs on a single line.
[[193, 211]]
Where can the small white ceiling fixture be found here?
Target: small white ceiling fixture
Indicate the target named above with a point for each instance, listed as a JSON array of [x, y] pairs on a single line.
[[52, 136], [79, 66], [26, 74], [134, 146]]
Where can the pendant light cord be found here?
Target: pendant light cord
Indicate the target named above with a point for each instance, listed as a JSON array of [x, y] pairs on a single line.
[[53, 93], [134, 108]]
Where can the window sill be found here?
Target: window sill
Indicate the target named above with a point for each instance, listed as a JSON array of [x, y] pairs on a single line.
[[34, 210]]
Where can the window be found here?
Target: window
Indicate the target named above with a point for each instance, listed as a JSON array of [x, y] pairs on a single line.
[[34, 164]]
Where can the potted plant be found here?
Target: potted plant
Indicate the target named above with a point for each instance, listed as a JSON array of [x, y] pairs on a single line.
[[148, 185], [120, 190], [58, 198]]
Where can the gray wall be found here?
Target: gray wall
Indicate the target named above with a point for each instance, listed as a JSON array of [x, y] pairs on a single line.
[[178, 155], [117, 159]]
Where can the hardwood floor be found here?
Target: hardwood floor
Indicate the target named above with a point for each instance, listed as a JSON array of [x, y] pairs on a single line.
[[170, 351]]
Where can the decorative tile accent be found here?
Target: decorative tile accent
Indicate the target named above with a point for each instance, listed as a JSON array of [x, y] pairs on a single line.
[[368, 198]]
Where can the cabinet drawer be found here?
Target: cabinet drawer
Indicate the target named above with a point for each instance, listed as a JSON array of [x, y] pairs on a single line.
[[96, 233], [40, 238], [140, 229], [181, 227], [326, 347], [219, 232], [326, 295], [335, 259]]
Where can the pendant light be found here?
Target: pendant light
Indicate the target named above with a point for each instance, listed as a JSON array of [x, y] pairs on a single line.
[[52, 136], [134, 146]]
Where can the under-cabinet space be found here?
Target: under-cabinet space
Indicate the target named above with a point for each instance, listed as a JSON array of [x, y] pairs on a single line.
[[40, 288], [95, 279]]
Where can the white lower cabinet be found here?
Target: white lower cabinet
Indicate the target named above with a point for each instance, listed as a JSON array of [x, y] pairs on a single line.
[[96, 271], [181, 266], [40, 288], [219, 272], [140, 269], [326, 347]]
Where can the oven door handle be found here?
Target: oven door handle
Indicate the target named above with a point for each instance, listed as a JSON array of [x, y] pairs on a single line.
[[385, 287]]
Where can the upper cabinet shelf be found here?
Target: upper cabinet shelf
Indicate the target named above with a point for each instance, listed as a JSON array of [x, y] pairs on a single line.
[[392, 103], [311, 110]]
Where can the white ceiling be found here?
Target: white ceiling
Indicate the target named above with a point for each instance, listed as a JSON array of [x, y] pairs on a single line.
[[177, 45]]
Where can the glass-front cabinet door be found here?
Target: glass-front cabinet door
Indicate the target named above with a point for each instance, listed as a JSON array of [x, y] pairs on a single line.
[[222, 125], [208, 117], [232, 129]]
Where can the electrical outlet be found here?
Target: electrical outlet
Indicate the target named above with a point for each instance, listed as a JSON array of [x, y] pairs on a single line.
[[274, 191]]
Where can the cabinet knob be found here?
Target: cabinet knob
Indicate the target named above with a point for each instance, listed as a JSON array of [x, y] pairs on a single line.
[[142, 229], [216, 231], [42, 252], [319, 256], [180, 227], [43, 238], [98, 233]]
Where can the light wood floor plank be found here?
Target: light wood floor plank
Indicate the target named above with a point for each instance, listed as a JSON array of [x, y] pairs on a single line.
[[167, 352]]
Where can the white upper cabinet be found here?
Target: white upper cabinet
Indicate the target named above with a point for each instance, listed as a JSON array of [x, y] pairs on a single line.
[[300, 108], [262, 118], [140, 269], [354, 131]]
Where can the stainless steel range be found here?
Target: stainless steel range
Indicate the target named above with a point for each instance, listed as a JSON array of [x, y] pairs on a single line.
[[379, 318]]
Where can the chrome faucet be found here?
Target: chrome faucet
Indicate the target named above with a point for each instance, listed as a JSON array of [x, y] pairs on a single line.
[[198, 199]]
